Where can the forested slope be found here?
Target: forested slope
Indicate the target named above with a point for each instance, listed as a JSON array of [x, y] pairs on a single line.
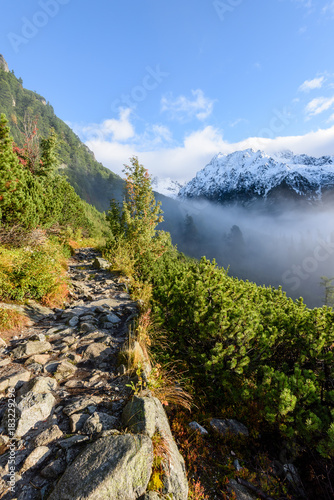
[[91, 180]]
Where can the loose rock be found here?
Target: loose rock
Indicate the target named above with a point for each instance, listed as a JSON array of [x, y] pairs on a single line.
[[117, 467]]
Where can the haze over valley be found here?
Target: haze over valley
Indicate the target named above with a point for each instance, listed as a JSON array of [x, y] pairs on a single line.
[[266, 218]]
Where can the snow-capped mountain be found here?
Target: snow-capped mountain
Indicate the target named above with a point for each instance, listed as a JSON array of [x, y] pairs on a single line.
[[249, 175], [167, 186]]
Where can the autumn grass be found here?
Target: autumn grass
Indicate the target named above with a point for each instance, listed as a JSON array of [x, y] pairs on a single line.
[[11, 319], [37, 273]]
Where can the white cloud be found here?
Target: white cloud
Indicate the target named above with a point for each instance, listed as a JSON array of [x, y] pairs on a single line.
[[308, 85], [118, 130], [319, 105], [184, 109], [331, 118], [181, 162], [114, 141]]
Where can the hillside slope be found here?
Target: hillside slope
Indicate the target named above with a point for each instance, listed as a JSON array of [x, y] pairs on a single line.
[[91, 180]]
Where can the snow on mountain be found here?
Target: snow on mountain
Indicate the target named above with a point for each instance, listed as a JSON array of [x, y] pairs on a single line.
[[249, 174], [167, 186]]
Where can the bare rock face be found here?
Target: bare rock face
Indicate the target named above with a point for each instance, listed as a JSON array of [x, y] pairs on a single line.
[[32, 409], [139, 416], [117, 467], [3, 64], [146, 415]]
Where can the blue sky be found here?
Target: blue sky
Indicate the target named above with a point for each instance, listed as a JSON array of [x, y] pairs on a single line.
[[177, 82]]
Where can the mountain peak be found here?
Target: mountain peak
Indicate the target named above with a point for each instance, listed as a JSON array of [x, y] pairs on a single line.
[[248, 175], [3, 64]]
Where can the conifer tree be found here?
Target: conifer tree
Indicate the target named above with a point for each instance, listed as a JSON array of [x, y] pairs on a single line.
[[136, 221], [49, 156], [15, 201], [141, 211]]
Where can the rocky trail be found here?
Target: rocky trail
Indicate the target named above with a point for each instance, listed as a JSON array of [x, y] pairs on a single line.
[[65, 406]]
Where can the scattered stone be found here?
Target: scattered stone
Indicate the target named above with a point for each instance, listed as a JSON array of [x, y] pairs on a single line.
[[4, 440], [13, 375], [64, 370], [65, 444], [292, 475], [32, 409], [31, 347], [197, 427], [38, 385], [35, 458], [241, 493], [98, 351], [107, 326], [54, 469], [77, 421], [69, 340], [55, 329], [38, 336], [51, 367], [100, 263], [76, 358], [87, 327], [69, 314], [109, 463], [99, 422], [151, 495], [117, 467], [37, 358], [81, 404], [175, 477], [237, 465], [48, 436], [228, 425], [73, 321], [35, 367], [88, 317], [112, 318]]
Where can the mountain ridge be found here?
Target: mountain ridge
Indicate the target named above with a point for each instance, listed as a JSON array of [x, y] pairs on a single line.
[[247, 176]]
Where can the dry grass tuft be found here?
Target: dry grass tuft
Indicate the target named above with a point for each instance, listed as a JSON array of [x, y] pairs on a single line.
[[17, 237]]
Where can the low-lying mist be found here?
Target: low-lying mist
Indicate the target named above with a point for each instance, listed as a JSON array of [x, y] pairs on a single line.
[[270, 245]]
